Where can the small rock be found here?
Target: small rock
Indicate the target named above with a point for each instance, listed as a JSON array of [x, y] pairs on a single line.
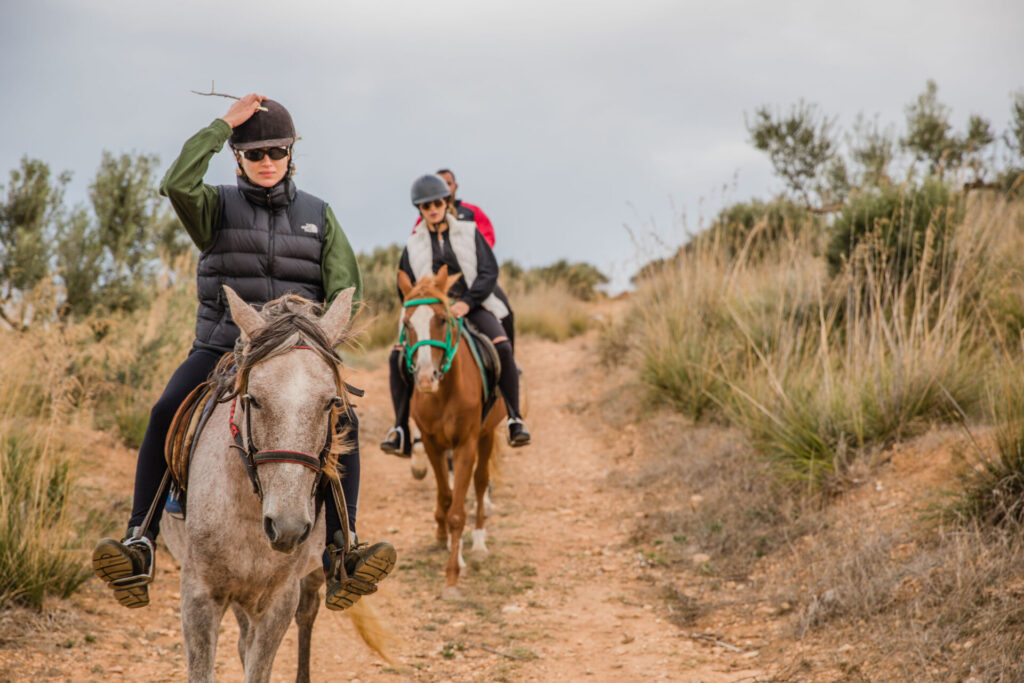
[[696, 500], [846, 647], [512, 609], [627, 638], [393, 530], [701, 558], [751, 654], [116, 669], [648, 606], [458, 624]]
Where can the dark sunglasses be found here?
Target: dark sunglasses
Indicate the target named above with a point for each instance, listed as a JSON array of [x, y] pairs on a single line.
[[275, 153], [432, 204]]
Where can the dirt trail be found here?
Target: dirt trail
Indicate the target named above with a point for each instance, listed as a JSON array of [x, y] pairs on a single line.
[[558, 598]]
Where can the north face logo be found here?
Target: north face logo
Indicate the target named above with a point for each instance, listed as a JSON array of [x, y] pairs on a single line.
[[308, 227]]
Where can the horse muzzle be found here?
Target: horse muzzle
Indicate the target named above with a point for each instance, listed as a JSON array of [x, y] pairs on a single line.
[[428, 383], [286, 536]]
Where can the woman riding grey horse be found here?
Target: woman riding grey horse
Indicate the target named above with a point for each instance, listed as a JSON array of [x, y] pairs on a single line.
[[264, 238]]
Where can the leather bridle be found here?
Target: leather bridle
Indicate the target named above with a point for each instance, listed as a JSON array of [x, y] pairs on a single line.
[[252, 457]]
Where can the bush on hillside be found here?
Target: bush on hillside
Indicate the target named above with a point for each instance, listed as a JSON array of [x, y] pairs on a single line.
[[753, 228], [894, 223]]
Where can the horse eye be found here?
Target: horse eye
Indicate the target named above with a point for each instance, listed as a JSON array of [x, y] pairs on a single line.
[[253, 402]]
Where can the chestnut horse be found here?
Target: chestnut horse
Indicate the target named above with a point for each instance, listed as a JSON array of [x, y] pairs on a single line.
[[447, 404]]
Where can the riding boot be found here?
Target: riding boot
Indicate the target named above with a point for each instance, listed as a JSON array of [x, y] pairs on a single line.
[[126, 566], [398, 441], [356, 573], [518, 434]]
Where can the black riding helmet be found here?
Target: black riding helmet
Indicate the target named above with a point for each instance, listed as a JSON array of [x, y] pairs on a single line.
[[271, 128], [429, 187]]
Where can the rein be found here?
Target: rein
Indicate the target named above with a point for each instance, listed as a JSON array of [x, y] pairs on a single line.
[[252, 458], [449, 346]]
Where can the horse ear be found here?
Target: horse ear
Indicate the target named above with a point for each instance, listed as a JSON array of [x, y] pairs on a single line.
[[450, 282], [245, 316], [404, 283], [336, 318], [441, 277]]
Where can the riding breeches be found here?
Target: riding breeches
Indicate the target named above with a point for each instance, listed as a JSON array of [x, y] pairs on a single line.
[[151, 465]]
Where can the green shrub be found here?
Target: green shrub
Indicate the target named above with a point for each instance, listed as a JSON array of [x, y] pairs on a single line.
[[37, 557], [893, 223], [991, 479], [752, 228]]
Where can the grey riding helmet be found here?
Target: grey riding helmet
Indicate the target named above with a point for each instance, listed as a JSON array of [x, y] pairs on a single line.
[[271, 128], [429, 187]]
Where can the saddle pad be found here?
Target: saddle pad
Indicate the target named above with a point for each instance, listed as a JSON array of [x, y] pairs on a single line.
[[487, 361], [185, 429]]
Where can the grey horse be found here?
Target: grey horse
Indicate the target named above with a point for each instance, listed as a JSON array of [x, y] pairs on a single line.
[[260, 557]]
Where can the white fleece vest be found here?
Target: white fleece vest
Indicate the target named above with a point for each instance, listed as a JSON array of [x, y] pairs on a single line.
[[463, 237]]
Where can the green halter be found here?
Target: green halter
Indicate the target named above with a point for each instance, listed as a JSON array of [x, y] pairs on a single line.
[[449, 345]]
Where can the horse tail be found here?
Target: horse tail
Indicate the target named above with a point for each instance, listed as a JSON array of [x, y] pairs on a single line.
[[369, 627]]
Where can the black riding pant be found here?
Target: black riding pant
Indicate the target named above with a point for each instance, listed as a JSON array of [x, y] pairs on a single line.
[[402, 384], [509, 321], [151, 465]]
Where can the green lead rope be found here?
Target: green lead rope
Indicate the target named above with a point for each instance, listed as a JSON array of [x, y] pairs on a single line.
[[450, 347]]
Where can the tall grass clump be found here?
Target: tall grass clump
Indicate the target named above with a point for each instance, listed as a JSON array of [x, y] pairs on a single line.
[[38, 553], [825, 371]]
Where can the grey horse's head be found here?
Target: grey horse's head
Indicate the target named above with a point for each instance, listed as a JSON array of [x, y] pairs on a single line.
[[293, 396]]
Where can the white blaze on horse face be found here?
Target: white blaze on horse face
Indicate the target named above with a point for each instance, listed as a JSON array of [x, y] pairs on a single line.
[[420, 323]]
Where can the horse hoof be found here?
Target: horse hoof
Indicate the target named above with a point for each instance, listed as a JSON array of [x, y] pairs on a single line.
[[477, 558], [418, 473], [450, 593]]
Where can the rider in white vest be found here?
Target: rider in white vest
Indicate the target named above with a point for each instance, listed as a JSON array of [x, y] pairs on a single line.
[[441, 239]]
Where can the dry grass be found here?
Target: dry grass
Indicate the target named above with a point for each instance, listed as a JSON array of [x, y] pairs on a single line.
[[101, 371], [549, 311], [822, 373]]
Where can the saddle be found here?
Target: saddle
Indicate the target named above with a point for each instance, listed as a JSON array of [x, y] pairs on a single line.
[[487, 361], [183, 435]]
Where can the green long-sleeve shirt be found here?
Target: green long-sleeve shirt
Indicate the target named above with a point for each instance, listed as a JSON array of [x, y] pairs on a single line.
[[198, 207]]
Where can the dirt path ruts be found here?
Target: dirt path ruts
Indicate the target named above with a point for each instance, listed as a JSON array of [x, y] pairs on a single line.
[[557, 599]]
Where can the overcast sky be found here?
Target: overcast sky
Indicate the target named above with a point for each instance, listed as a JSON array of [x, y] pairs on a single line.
[[565, 121]]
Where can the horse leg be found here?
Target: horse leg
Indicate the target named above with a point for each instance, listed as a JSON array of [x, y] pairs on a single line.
[[481, 478], [244, 634], [201, 614], [268, 630], [465, 456], [444, 493], [305, 615]]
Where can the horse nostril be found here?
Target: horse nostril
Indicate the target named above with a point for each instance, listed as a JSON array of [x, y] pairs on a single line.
[[305, 533], [269, 530]]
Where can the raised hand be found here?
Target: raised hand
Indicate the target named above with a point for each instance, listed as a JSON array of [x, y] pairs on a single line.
[[242, 109]]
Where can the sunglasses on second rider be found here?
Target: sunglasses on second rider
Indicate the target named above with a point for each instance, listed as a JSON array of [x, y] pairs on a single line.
[[432, 204], [275, 153]]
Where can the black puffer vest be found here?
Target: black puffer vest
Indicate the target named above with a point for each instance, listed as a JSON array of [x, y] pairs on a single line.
[[267, 244]]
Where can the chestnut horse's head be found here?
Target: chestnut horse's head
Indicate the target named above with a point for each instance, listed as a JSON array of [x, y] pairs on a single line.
[[429, 331]]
